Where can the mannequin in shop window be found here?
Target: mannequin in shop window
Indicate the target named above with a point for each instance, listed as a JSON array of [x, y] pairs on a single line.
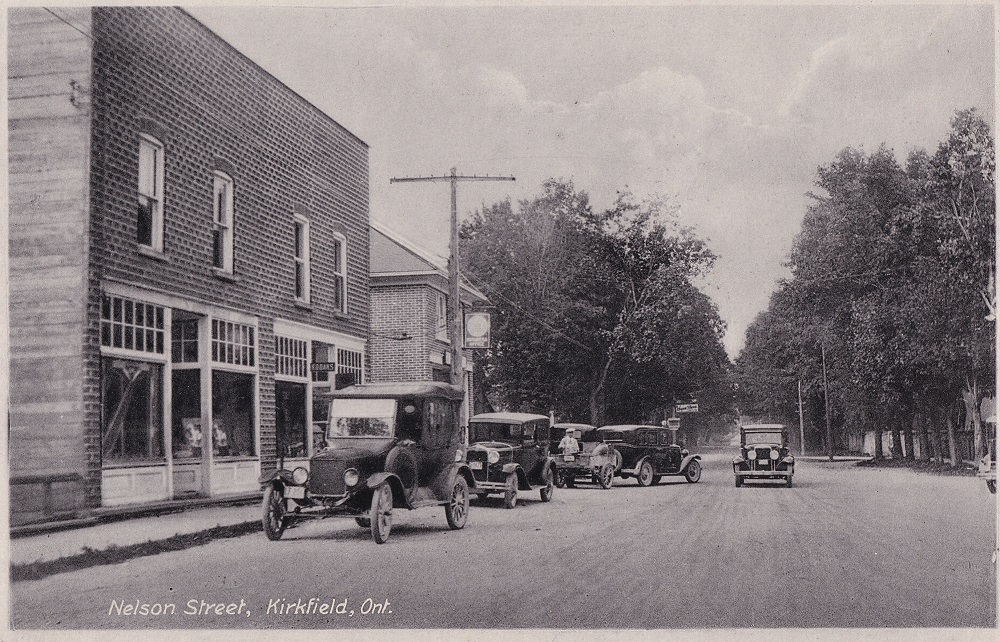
[[220, 441]]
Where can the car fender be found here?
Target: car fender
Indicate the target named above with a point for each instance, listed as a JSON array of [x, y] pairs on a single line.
[[398, 492], [447, 477], [789, 460], [276, 477], [510, 468], [687, 460]]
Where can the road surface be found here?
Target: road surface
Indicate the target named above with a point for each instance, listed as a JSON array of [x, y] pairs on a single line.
[[844, 547]]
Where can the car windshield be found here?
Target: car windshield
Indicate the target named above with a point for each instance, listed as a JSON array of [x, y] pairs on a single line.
[[362, 418], [489, 431], [753, 438]]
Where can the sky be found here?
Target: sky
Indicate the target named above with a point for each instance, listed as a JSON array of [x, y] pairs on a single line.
[[725, 111]]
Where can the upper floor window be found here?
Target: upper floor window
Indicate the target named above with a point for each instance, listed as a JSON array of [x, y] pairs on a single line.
[[222, 235], [340, 272], [150, 216], [301, 259], [441, 317], [233, 343]]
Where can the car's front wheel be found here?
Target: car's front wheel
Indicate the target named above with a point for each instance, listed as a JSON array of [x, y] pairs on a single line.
[[560, 480], [739, 481], [274, 519], [456, 511], [546, 490], [693, 472], [363, 522], [381, 513], [510, 492], [788, 482], [991, 485], [645, 477], [606, 477]]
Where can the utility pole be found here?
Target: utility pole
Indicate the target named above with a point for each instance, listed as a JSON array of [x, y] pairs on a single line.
[[455, 327], [802, 429], [826, 401]]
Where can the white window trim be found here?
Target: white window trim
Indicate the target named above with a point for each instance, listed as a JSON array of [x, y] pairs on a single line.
[[340, 269], [303, 260], [226, 181], [157, 195]]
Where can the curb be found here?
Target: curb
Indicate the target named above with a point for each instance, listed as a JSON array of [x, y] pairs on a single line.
[[118, 554]]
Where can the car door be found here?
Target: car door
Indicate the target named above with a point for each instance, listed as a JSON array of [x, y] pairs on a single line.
[[529, 450], [670, 453]]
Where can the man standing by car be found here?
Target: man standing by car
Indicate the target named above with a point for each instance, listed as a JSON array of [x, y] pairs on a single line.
[[568, 445]]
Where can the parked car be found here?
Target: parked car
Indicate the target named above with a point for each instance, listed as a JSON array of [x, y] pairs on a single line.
[[988, 471], [510, 452], [595, 461], [388, 445], [764, 454], [649, 454]]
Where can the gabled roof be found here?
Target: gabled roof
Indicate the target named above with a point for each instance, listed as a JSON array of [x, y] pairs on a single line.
[[393, 258]]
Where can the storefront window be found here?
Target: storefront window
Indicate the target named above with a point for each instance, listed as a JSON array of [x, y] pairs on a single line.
[[321, 416], [186, 431], [233, 414], [131, 411], [290, 408]]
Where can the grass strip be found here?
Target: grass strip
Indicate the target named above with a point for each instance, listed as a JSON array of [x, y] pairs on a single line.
[[962, 470], [117, 554]]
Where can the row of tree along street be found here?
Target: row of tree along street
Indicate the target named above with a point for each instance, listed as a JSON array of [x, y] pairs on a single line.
[[597, 316], [892, 293], [887, 319]]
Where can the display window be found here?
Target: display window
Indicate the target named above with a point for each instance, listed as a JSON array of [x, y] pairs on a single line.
[[131, 411], [233, 406]]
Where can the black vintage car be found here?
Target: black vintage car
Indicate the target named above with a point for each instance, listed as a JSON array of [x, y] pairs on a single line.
[[510, 452], [764, 454], [595, 460], [388, 445], [649, 454]]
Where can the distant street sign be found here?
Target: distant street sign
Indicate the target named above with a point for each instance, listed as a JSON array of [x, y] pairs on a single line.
[[674, 423], [687, 407]]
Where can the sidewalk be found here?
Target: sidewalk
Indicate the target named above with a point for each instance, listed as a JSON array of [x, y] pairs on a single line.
[[53, 545]]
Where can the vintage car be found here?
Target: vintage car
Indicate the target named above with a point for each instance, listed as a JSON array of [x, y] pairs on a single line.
[[595, 460], [988, 471], [649, 454], [764, 454], [509, 452], [388, 445]]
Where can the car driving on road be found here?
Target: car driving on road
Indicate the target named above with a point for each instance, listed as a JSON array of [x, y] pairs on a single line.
[[388, 445], [764, 454]]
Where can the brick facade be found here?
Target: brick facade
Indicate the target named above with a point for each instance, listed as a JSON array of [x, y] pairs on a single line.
[[158, 71]]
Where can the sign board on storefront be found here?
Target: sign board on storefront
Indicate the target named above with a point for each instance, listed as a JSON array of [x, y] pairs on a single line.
[[323, 367], [477, 330]]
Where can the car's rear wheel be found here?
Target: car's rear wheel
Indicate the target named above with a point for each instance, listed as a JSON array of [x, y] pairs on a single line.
[[693, 472], [570, 480], [456, 511], [381, 513], [739, 481], [606, 477], [645, 477], [991, 485], [510, 492], [274, 519], [560, 480], [363, 522], [788, 482], [546, 490], [656, 479]]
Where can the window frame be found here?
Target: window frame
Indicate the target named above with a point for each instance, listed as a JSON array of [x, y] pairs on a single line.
[[226, 227], [301, 259], [340, 272], [147, 142]]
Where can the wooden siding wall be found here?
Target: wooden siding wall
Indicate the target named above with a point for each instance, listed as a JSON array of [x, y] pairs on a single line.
[[49, 72]]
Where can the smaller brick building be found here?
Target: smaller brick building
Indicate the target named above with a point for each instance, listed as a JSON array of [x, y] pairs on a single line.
[[408, 339]]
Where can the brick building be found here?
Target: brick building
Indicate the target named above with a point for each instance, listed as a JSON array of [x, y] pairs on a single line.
[[409, 338], [188, 244]]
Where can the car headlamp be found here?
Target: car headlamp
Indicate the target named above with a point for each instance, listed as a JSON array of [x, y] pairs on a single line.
[[750, 452], [458, 455], [774, 454], [493, 457], [351, 477], [300, 476]]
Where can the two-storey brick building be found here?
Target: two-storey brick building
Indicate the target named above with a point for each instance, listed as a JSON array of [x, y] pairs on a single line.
[[188, 244], [410, 311]]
